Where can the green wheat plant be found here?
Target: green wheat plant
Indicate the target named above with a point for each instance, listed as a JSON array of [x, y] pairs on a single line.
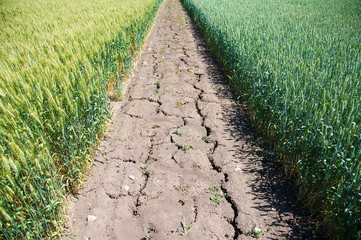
[[298, 65], [59, 61]]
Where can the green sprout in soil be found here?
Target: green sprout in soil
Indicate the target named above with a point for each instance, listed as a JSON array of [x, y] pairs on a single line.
[[217, 198], [177, 131], [217, 194], [205, 138], [182, 188], [257, 231], [156, 126], [179, 103], [186, 147], [156, 83], [211, 189], [186, 230], [145, 172]]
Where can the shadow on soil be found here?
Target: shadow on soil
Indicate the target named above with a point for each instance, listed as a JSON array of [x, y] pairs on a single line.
[[273, 185]]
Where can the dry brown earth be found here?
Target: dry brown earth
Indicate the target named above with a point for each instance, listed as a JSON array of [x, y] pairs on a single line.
[[180, 162]]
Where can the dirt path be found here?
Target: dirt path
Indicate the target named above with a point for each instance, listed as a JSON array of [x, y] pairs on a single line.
[[179, 162]]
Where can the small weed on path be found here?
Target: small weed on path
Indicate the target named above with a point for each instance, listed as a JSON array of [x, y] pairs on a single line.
[[186, 230], [145, 172], [177, 131], [186, 147], [217, 198], [257, 231], [161, 63], [182, 188], [205, 139], [156, 126], [156, 83], [217, 194], [179, 103]]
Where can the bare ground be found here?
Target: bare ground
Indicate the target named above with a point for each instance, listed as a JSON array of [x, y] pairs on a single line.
[[180, 161]]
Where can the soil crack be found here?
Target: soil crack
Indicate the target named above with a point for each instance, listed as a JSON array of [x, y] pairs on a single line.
[[177, 162], [237, 231]]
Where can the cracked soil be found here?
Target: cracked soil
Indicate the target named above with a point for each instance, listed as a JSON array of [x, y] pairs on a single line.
[[180, 161]]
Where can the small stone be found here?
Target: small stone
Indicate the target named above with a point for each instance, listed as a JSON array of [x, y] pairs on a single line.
[[257, 229], [238, 168], [91, 218], [126, 188], [131, 177]]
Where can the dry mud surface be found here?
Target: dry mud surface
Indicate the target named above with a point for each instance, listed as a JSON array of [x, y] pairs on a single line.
[[179, 162]]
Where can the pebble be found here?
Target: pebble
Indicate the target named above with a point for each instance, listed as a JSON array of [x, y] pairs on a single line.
[[91, 218], [126, 188], [238, 168], [131, 177]]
